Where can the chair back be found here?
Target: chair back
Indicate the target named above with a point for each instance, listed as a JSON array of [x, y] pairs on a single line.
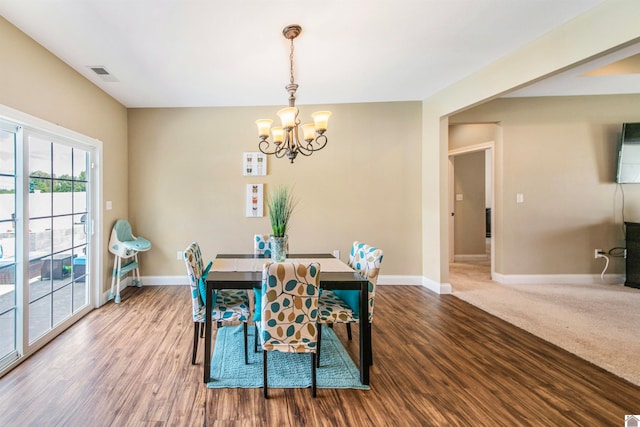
[[121, 232], [195, 269], [290, 307], [366, 260], [261, 245]]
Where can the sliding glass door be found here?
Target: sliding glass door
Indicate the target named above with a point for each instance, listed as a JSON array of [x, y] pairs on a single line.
[[47, 183]]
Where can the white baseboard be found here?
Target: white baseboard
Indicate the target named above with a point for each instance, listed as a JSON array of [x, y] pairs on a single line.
[[124, 283], [558, 279], [439, 288]]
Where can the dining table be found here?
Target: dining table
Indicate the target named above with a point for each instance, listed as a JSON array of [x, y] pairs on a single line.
[[244, 271]]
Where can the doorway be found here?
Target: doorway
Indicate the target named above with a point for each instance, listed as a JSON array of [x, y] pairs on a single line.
[[471, 205]]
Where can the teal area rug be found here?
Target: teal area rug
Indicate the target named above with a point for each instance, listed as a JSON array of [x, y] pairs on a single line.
[[285, 370]]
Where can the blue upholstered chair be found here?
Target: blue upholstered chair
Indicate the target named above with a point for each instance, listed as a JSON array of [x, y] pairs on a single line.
[[343, 306], [231, 305], [289, 312]]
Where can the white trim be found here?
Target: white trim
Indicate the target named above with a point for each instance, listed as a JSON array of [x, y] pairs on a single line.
[[104, 295], [558, 279], [37, 124], [438, 288]]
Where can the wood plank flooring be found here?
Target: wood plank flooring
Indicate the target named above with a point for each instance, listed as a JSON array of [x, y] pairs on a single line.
[[437, 361]]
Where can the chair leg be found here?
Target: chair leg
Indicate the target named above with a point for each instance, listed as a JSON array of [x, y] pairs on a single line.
[[255, 338], [349, 331], [196, 328], [370, 350], [318, 345], [246, 353], [264, 372], [313, 374], [113, 277]]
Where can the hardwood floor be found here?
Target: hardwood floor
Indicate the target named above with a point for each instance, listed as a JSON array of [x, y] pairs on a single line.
[[438, 361]]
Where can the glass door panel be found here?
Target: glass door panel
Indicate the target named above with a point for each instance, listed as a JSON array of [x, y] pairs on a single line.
[[58, 233], [8, 308]]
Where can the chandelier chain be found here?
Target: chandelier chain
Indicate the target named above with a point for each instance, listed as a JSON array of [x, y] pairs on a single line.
[[291, 63]]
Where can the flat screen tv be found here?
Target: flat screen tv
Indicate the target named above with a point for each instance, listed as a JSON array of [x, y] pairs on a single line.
[[629, 154]]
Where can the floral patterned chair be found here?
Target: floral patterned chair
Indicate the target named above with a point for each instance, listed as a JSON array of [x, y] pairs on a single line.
[[289, 312], [261, 245], [343, 306], [231, 305]]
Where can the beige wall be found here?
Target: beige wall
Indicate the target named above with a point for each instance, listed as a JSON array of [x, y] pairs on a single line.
[[607, 26], [560, 152], [186, 183], [34, 81]]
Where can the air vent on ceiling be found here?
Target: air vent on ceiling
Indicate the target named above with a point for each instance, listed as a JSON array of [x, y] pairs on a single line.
[[103, 73]]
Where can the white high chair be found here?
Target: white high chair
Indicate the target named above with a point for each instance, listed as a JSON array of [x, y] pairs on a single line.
[[125, 246]]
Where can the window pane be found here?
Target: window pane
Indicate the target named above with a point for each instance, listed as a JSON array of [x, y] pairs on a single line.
[[80, 160], [7, 201], [62, 197], [79, 230], [80, 293], [7, 333], [39, 317], [39, 157], [79, 197], [39, 237], [39, 197], [61, 304], [7, 286], [62, 163], [7, 153], [62, 232], [80, 263]]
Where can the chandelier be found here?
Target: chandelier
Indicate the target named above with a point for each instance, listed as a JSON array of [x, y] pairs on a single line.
[[286, 138]]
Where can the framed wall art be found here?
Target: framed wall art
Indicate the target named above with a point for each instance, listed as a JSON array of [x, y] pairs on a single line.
[[254, 164], [255, 203]]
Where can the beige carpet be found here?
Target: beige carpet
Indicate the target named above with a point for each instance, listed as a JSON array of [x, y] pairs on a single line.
[[600, 323]]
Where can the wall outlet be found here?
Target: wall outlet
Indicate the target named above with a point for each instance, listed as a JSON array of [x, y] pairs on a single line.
[[179, 255], [597, 253], [336, 253]]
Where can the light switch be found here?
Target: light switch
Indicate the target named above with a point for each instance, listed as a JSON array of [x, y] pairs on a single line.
[[459, 197], [109, 205], [519, 198]]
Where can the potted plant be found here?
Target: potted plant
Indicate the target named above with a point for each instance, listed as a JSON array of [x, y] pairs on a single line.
[[280, 204]]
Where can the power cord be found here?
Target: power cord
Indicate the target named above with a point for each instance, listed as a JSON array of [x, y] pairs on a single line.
[[606, 265]]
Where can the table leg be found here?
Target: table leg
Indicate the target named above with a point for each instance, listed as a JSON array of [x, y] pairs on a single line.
[[365, 333], [208, 324]]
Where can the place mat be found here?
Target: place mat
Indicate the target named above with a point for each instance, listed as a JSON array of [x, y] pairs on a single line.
[[257, 264]]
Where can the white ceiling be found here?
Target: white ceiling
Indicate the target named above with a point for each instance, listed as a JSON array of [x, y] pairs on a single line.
[[187, 53]]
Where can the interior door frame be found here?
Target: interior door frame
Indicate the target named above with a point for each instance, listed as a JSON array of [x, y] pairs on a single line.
[[489, 145]]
